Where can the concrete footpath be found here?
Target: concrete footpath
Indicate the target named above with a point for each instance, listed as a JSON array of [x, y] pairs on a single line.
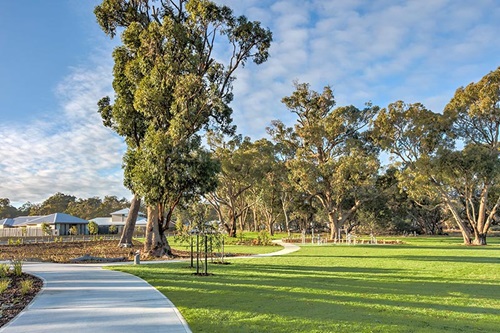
[[81, 298]]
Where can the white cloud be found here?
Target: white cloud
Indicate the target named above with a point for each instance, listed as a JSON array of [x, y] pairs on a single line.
[[379, 51], [70, 152]]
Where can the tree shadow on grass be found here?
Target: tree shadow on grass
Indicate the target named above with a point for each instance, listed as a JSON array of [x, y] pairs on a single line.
[[301, 303]]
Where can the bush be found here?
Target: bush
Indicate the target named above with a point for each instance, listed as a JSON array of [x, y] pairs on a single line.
[[26, 286], [18, 267], [4, 284], [113, 229], [4, 270], [73, 230], [263, 238], [93, 228], [46, 229]]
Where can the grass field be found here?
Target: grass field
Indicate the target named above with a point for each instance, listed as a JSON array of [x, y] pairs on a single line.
[[425, 285]]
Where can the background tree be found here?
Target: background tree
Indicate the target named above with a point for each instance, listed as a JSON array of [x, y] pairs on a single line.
[[84, 208], [474, 171], [268, 183], [7, 210], [93, 228], [177, 84], [332, 163], [58, 203], [237, 160]]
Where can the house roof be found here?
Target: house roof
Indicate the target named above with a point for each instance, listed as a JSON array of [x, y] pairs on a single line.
[[6, 222], [101, 220], [60, 218], [51, 219], [125, 212]]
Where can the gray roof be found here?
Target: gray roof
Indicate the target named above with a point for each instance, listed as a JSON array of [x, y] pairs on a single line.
[[51, 219], [123, 211], [7, 222]]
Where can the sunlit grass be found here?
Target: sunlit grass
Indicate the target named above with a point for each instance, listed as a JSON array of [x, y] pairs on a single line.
[[425, 285]]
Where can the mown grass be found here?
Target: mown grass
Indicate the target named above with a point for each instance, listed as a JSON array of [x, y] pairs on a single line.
[[425, 285], [231, 247]]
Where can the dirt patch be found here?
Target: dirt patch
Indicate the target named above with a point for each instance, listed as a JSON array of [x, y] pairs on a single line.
[[64, 252], [13, 300]]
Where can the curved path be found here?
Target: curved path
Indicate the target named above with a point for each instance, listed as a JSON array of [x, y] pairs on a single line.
[[86, 298]]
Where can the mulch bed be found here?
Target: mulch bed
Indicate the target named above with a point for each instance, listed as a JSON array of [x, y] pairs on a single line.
[[12, 301]]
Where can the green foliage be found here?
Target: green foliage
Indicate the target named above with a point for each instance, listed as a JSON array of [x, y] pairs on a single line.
[[169, 87], [380, 288], [46, 229], [26, 286], [263, 238], [4, 284], [15, 241], [17, 267], [334, 163], [6, 210], [57, 203], [113, 229], [4, 270], [93, 228], [73, 230]]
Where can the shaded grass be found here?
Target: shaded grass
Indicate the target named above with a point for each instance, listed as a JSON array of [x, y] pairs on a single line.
[[424, 286], [230, 249]]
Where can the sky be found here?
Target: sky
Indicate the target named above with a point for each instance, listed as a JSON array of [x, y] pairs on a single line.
[[55, 64]]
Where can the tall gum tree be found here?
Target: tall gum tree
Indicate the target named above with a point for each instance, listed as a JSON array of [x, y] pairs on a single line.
[[474, 113], [175, 82], [429, 169], [332, 162], [237, 177]]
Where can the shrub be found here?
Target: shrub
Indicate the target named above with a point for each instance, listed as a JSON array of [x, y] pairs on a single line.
[[18, 267], [4, 270], [113, 229], [46, 229], [73, 230], [4, 284], [26, 286], [263, 238], [93, 228]]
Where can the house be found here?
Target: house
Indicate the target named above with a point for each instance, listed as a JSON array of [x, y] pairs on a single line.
[[60, 223], [118, 219]]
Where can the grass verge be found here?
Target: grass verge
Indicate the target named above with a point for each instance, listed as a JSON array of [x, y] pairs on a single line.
[[426, 285]]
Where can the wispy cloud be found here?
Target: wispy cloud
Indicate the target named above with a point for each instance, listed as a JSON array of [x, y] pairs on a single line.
[[379, 51], [72, 152]]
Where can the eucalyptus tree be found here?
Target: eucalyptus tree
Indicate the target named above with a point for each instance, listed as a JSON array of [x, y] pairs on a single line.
[[474, 171], [238, 167], [332, 161], [465, 181], [268, 183], [418, 139], [180, 59]]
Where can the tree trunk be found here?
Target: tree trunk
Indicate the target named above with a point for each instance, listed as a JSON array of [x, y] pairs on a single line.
[[270, 228], [466, 235], [128, 229], [156, 243], [255, 226], [479, 239], [335, 225], [287, 220]]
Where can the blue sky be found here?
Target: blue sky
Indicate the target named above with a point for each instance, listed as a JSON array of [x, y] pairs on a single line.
[[56, 64]]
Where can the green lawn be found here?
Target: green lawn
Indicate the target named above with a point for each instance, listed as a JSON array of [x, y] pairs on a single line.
[[425, 285]]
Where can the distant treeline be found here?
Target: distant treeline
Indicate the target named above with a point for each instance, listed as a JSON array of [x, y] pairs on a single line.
[[62, 203]]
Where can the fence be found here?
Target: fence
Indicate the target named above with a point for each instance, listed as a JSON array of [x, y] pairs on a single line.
[[21, 232]]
